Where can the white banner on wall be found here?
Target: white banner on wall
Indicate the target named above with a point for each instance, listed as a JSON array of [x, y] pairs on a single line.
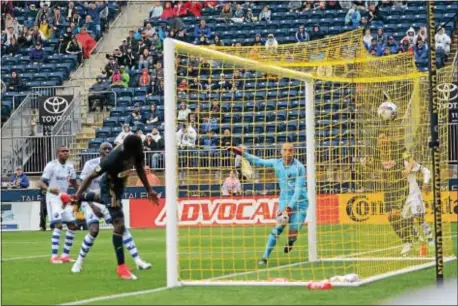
[[20, 216], [25, 216]]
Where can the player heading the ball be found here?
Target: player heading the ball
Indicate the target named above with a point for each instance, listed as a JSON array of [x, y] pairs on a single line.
[[293, 202]]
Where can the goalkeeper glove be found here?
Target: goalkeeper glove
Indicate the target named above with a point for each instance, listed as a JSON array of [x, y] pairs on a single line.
[[283, 217], [235, 150]]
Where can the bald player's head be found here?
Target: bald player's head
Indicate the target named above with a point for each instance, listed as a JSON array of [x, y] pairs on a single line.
[[105, 149], [287, 152]]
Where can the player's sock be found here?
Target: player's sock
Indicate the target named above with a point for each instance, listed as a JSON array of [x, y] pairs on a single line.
[[85, 246], [427, 231], [119, 250], [68, 242], [55, 240], [272, 240], [415, 233], [129, 243]]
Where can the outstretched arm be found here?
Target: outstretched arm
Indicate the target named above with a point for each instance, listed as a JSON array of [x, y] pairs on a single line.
[[140, 168], [270, 163]]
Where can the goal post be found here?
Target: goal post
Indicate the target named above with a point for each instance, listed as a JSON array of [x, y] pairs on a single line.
[[356, 218]]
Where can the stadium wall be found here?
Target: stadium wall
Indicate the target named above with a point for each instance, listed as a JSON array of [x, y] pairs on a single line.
[[20, 209]]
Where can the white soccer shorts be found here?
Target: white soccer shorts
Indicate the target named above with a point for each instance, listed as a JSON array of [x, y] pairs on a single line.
[[57, 212], [89, 215], [414, 206]]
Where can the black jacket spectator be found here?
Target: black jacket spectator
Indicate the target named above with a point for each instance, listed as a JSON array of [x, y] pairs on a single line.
[[37, 54], [316, 33], [13, 48], [15, 83]]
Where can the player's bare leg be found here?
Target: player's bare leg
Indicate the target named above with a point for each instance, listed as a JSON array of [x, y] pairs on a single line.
[[292, 237], [88, 241], [118, 231]]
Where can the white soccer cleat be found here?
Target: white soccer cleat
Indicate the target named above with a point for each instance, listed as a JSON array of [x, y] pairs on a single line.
[[77, 267], [142, 265], [406, 248]]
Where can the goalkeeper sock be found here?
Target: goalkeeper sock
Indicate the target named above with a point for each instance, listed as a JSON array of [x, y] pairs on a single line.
[[272, 240], [119, 250], [291, 241], [427, 231]]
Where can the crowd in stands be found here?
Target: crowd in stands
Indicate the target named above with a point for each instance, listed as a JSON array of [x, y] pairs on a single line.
[[137, 62], [38, 33]]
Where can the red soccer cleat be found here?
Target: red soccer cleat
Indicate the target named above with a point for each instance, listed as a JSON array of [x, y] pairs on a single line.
[[65, 258], [56, 260], [124, 273]]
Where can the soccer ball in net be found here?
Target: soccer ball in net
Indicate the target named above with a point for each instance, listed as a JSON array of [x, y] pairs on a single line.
[[387, 111]]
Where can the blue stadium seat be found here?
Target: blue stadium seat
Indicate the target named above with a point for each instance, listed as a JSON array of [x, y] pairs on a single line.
[[95, 143], [103, 132], [115, 131], [111, 122]]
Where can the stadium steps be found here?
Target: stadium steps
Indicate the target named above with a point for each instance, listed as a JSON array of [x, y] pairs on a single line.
[[453, 46]]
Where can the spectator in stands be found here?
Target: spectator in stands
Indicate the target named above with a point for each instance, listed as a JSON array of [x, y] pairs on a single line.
[[443, 41], [115, 79], [74, 47], [186, 137], [140, 134], [125, 77], [15, 83], [226, 140], [155, 144], [215, 108], [257, 41], [183, 86], [44, 13], [302, 35], [183, 112], [265, 14], [226, 13], [212, 4], [87, 42], [143, 62], [64, 39], [156, 11], [181, 9], [271, 43], [420, 50], [159, 88], [392, 45], [194, 7], [367, 38], [202, 29], [153, 115], [381, 37], [333, 5], [239, 14], [423, 33], [76, 18], [410, 35], [98, 93], [10, 33], [17, 27], [135, 116], [353, 17], [209, 141], [158, 71], [249, 17], [320, 5], [94, 11], [45, 30], [405, 46], [25, 38], [37, 54], [170, 13], [149, 30], [218, 42], [31, 12], [231, 185], [126, 130], [295, 6], [56, 22], [70, 10], [316, 33], [374, 13], [13, 48], [208, 123], [111, 66], [130, 60], [91, 27], [19, 179], [223, 84]]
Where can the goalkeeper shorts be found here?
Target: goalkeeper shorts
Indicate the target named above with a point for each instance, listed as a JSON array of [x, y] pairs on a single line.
[[297, 219]]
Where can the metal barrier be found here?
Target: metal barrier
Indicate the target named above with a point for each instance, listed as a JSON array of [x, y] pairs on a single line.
[[24, 122]]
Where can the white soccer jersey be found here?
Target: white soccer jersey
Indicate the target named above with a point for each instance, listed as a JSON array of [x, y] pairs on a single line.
[[414, 189], [88, 168], [59, 175]]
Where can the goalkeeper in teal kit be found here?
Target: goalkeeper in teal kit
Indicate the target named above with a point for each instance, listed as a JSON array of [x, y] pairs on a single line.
[[293, 204]]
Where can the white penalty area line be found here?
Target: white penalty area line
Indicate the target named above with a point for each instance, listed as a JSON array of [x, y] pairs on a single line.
[[25, 257]]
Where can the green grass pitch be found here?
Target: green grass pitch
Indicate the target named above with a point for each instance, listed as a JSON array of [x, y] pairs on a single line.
[[29, 278]]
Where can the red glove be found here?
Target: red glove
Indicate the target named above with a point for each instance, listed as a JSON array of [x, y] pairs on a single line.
[[235, 150], [65, 198]]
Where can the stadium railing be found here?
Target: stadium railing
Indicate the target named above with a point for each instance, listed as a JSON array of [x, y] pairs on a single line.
[[17, 130]]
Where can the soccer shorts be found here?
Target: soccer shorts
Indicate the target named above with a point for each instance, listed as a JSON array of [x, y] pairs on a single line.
[[297, 219], [57, 212], [414, 206], [111, 191], [89, 215]]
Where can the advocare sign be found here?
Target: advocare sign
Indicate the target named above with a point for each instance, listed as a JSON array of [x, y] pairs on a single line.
[[52, 108]]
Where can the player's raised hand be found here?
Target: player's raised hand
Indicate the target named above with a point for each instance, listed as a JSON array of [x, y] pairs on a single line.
[[153, 196], [235, 150]]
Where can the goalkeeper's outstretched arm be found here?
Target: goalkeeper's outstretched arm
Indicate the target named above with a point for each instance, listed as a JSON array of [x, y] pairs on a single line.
[[269, 163]]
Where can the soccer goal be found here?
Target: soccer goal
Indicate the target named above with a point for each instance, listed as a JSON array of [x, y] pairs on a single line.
[[325, 103]]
